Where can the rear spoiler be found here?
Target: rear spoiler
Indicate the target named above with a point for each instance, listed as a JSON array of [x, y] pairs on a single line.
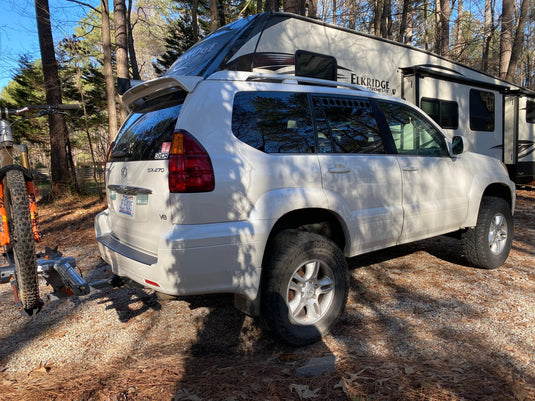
[[141, 91]]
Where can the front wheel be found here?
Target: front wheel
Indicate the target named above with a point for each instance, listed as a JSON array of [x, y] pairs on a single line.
[[305, 287], [22, 242], [487, 245]]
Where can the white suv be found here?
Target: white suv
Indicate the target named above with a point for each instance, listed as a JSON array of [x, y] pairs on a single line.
[[262, 186]]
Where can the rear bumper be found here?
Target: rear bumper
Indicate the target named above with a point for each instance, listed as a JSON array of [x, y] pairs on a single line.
[[190, 259]]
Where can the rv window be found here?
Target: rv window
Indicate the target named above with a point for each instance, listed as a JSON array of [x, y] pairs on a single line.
[[314, 65], [444, 112], [481, 110], [412, 133], [530, 111], [273, 122], [349, 123]]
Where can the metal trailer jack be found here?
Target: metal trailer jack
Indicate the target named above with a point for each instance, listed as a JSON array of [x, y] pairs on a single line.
[[58, 271]]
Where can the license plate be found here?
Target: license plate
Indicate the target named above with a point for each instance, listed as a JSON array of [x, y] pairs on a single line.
[[126, 206]]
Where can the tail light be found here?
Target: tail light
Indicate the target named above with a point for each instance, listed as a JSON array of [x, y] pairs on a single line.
[[190, 167], [107, 158]]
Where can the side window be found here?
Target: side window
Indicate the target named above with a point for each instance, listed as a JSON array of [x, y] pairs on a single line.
[[444, 112], [413, 134], [481, 110], [347, 125], [530, 111], [273, 122]]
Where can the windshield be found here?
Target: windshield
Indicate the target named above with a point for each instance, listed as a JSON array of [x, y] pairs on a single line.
[[210, 50]]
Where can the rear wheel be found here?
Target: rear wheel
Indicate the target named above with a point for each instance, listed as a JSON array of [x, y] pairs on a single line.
[[22, 242], [305, 287], [488, 244]]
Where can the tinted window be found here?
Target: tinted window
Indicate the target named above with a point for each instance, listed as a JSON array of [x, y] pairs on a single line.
[[412, 133], [347, 125], [273, 122], [530, 111], [481, 110], [445, 113], [315, 65], [146, 134]]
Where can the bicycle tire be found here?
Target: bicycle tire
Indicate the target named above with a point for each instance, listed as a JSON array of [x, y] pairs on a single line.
[[22, 242]]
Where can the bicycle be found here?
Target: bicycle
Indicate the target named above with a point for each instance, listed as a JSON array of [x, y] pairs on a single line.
[[19, 225]]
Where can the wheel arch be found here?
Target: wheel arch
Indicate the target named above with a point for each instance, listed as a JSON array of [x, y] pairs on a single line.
[[497, 190], [317, 220]]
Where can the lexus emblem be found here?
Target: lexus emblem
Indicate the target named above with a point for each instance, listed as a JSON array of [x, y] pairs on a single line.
[[124, 172]]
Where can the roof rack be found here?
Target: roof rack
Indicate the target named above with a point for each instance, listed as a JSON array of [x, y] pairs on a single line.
[[286, 79], [293, 80]]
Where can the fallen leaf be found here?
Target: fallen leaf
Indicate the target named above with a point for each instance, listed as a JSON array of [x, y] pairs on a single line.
[[341, 384], [409, 370], [41, 370], [304, 392]]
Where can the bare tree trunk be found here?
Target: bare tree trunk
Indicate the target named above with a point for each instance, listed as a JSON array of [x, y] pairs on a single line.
[[271, 5], [386, 28], [459, 45], [426, 26], [506, 37], [294, 6], [195, 19], [131, 48], [403, 24], [487, 34], [352, 19], [59, 136], [334, 11], [518, 43], [108, 71], [221, 9], [311, 7], [214, 15], [378, 18], [442, 45], [121, 46]]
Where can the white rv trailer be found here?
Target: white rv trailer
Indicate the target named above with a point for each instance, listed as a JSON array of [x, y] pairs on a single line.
[[495, 117]]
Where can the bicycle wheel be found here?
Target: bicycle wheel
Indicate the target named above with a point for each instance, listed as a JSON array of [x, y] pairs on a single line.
[[22, 242]]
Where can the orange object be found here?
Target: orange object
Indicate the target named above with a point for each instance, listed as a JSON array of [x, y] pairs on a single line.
[[4, 230], [34, 215]]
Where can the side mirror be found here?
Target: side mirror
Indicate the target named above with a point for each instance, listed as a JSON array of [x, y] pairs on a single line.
[[457, 145]]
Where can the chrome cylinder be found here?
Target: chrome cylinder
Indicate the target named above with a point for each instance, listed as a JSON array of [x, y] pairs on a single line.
[[6, 136]]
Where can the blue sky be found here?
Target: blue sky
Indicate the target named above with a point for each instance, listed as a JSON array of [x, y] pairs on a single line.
[[18, 30]]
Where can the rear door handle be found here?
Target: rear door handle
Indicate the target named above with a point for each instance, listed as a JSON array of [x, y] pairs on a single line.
[[410, 168]]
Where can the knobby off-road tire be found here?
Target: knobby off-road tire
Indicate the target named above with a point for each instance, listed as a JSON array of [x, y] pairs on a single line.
[[22, 242], [488, 244], [305, 287]]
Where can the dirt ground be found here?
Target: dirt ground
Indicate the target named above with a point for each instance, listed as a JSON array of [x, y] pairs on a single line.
[[419, 325]]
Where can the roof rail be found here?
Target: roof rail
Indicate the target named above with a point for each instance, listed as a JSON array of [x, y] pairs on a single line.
[[284, 79], [292, 79]]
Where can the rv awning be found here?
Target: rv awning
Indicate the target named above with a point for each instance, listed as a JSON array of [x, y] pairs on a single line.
[[454, 76]]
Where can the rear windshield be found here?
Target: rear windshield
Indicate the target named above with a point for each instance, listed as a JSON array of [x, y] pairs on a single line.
[[147, 133]]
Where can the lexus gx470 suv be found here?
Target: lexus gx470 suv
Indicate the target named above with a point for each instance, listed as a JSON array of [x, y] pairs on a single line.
[[262, 185]]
